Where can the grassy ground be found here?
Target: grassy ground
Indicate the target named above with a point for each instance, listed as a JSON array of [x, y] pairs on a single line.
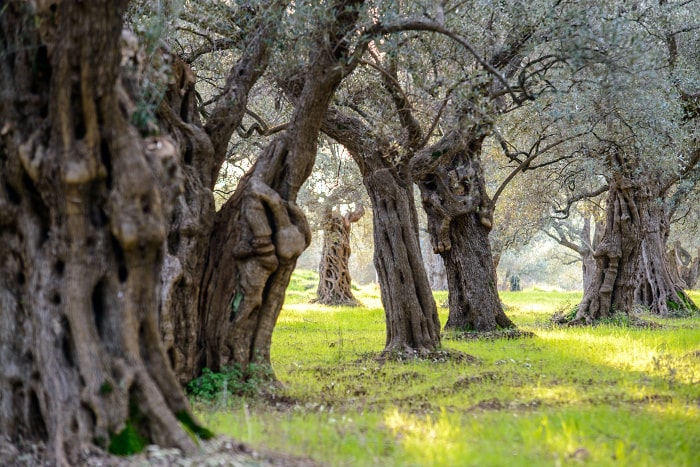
[[609, 395]]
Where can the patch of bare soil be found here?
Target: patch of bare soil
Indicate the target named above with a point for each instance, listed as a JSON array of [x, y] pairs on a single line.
[[489, 335], [435, 356]]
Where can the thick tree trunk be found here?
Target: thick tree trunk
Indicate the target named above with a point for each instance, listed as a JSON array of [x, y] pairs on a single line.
[[412, 323], [453, 191], [82, 227], [617, 255], [469, 269], [202, 152], [260, 232], [335, 284]]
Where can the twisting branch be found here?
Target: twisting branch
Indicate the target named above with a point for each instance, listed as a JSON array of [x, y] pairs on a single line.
[[570, 201]]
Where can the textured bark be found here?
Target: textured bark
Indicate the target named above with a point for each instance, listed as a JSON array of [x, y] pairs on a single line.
[[450, 177], [412, 323], [335, 284], [202, 151], [434, 266], [260, 232], [617, 255], [82, 226], [684, 265], [660, 287]]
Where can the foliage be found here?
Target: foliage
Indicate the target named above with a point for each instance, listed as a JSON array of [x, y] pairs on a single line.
[[231, 380], [128, 441], [607, 395]]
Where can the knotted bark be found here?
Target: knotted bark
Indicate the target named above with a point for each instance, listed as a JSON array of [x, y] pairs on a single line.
[[260, 232], [451, 180], [83, 206], [617, 255], [335, 284]]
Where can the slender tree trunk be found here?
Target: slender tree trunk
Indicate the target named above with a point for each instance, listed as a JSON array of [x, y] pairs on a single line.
[[335, 284], [260, 232], [82, 228], [434, 266], [587, 248], [412, 323]]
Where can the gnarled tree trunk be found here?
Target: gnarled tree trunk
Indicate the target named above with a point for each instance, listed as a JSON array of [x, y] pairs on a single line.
[[260, 232], [660, 288], [82, 227], [617, 255], [450, 177], [335, 284], [202, 151], [684, 265], [412, 324]]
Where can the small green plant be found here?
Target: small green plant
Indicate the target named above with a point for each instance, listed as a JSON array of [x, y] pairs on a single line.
[[231, 380], [617, 319], [127, 442]]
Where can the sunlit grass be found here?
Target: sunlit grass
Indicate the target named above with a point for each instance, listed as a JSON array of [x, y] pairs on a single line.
[[606, 395]]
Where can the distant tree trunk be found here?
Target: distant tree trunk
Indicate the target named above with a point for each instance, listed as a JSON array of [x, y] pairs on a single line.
[[660, 288], [82, 226], [412, 323], [586, 250], [434, 267], [450, 177], [260, 232], [335, 284], [684, 265]]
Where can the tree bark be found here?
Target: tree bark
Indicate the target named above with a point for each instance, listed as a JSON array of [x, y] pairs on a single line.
[[202, 151], [660, 287], [684, 265], [450, 177], [617, 255], [335, 284], [412, 323], [260, 232], [434, 266], [82, 226]]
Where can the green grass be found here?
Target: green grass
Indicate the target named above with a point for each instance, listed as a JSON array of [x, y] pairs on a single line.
[[606, 395]]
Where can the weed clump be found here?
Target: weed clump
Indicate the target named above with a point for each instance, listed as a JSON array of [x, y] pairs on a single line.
[[231, 380]]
